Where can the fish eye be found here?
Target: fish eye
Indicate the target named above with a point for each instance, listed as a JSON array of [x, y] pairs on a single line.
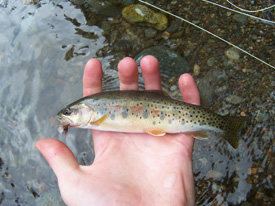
[[67, 111]]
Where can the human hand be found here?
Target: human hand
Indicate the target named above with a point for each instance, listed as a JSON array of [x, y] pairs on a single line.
[[129, 168]]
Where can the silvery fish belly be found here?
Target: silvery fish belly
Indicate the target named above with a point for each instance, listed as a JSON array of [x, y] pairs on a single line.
[[150, 112]]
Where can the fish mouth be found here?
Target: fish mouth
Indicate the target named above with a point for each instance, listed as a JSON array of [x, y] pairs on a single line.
[[62, 120], [63, 127]]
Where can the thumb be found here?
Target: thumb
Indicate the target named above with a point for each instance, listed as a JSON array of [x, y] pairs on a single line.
[[58, 155]]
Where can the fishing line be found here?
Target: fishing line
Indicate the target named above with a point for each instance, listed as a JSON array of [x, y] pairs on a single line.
[[250, 11], [178, 17], [254, 17]]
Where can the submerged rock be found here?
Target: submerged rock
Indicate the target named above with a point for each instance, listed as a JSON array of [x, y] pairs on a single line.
[[234, 99], [232, 54], [207, 85], [170, 62], [140, 14], [104, 7], [196, 70], [150, 33], [240, 18], [211, 61]]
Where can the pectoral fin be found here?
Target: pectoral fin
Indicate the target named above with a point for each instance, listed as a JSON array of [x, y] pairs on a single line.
[[155, 132], [99, 121]]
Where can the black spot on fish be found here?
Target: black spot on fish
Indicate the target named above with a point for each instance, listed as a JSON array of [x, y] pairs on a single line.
[[183, 122], [154, 122]]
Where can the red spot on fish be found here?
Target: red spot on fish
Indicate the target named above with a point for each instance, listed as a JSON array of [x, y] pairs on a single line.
[[155, 111], [115, 108], [136, 109]]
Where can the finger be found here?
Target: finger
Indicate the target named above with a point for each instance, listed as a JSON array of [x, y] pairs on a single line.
[[128, 74], [189, 89], [150, 72], [92, 77], [58, 155]]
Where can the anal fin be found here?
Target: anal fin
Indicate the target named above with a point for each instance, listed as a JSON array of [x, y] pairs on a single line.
[[197, 134], [155, 132]]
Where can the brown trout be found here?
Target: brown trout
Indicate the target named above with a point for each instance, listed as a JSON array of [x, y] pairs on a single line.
[[151, 112]]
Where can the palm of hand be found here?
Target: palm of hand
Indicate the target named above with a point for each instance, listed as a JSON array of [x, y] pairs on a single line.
[[132, 169]]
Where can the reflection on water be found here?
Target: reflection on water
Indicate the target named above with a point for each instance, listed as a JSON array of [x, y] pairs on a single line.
[[43, 49]]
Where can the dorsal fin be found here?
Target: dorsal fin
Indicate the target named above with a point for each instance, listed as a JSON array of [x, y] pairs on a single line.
[[160, 92]]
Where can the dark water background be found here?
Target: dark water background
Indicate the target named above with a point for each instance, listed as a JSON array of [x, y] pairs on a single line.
[[44, 46]]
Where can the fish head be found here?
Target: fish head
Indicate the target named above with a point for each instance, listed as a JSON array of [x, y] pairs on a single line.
[[77, 115]]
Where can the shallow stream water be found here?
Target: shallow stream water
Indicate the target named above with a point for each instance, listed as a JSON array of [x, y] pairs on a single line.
[[43, 49]]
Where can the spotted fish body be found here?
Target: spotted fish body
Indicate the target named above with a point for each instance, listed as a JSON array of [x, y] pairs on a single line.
[[150, 112]]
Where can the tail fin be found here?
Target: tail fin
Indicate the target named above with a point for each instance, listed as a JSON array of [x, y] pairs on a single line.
[[234, 125]]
